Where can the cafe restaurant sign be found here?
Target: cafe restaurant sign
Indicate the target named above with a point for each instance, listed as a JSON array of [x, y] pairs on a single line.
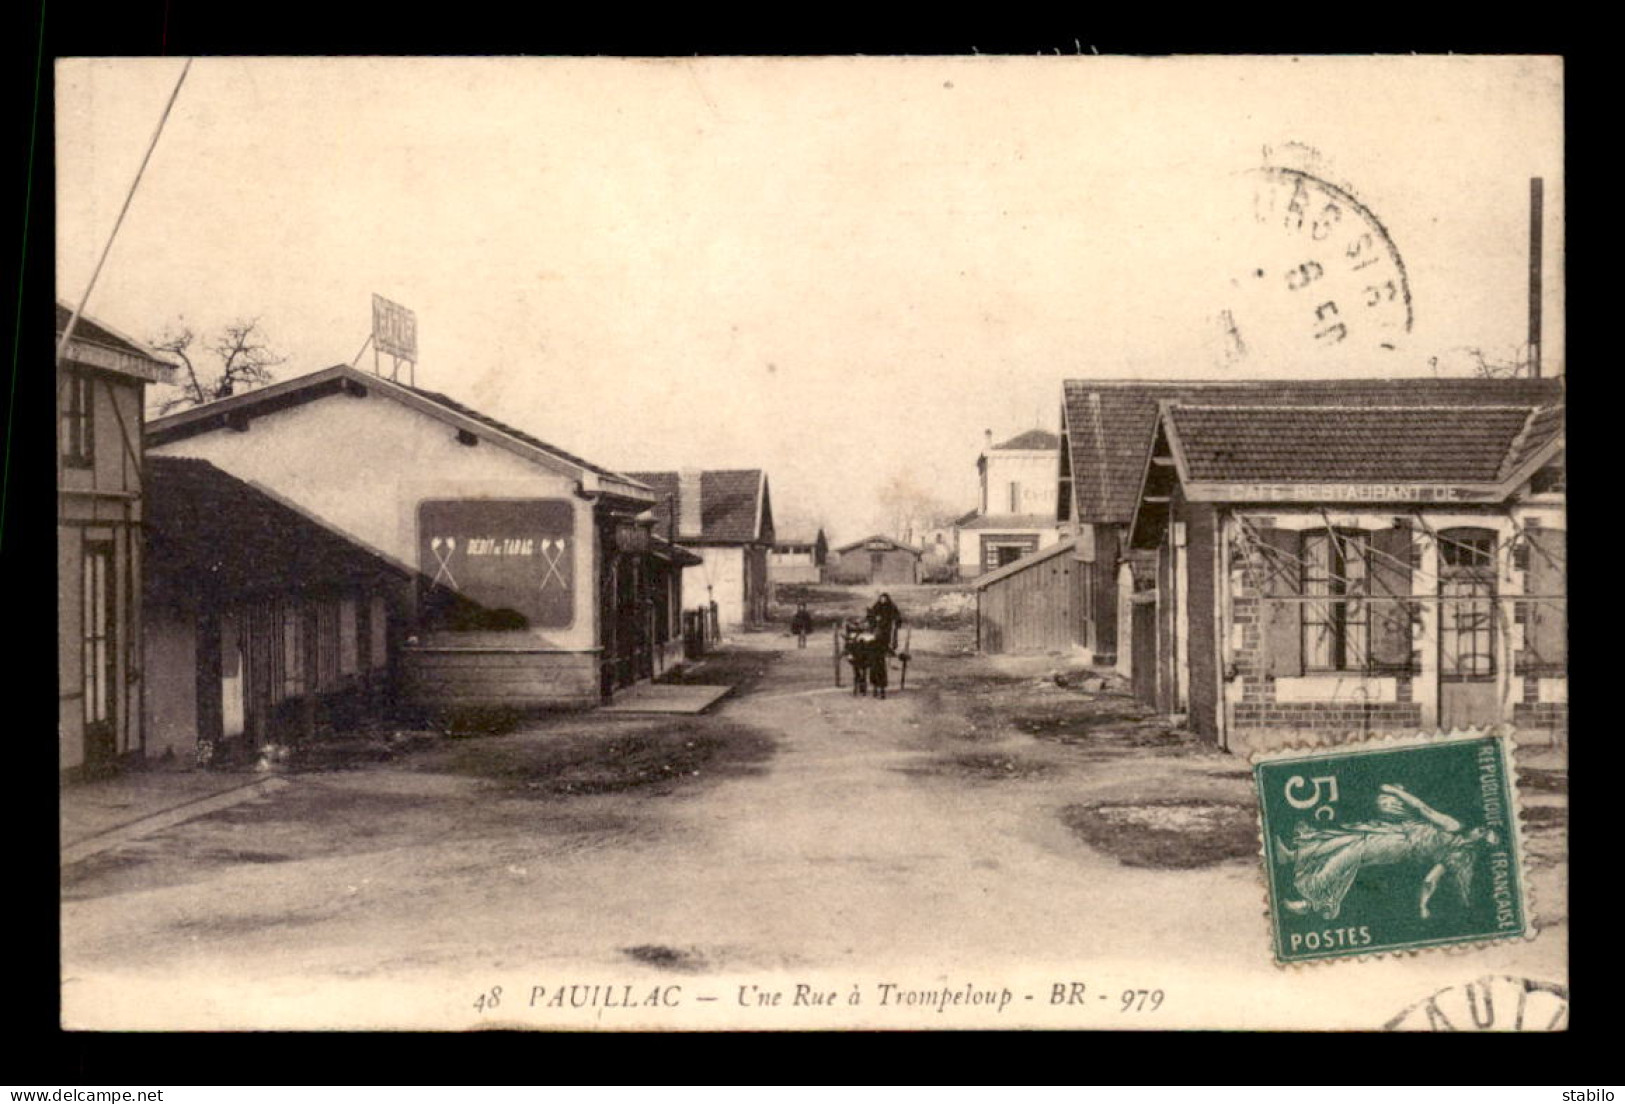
[[1340, 492]]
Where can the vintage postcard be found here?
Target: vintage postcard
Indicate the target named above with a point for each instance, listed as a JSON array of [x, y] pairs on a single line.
[[1062, 543]]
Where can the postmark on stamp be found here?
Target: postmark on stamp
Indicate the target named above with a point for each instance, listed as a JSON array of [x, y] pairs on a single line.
[[1392, 845]]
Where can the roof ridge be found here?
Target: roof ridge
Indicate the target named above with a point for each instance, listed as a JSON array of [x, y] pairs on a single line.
[[1510, 460]]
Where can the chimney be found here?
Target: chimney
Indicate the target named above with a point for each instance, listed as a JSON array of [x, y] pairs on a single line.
[[987, 436], [1536, 188], [689, 523]]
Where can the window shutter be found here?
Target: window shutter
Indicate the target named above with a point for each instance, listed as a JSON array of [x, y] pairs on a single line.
[[1546, 623], [1390, 574], [1283, 621]]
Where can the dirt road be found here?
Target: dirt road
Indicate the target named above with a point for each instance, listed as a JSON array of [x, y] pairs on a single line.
[[985, 832]]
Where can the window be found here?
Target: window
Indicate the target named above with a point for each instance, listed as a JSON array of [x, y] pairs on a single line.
[[1467, 609], [97, 614], [348, 642], [78, 421], [378, 630], [1001, 549], [1545, 623], [327, 646], [1336, 632], [1015, 498], [293, 651]]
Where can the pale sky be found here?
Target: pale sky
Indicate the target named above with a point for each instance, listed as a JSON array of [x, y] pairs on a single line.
[[839, 270]]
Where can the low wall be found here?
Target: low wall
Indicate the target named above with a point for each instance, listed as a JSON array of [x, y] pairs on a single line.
[[489, 678]]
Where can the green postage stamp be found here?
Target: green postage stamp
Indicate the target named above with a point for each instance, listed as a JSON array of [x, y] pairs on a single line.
[[1392, 846]]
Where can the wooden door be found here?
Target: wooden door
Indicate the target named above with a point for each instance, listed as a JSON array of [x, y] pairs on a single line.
[[1469, 660], [1143, 653]]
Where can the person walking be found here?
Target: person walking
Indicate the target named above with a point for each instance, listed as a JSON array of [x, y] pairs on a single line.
[[801, 624], [887, 619]]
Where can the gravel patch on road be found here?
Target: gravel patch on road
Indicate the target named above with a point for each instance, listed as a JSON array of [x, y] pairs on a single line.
[[659, 755], [1174, 835]]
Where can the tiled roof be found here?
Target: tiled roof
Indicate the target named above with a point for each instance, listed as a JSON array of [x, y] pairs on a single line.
[[1111, 424], [88, 329], [1362, 444], [502, 427], [212, 537], [1032, 439], [729, 502], [1545, 424]]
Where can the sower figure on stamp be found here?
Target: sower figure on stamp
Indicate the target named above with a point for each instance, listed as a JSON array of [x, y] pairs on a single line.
[[801, 624], [1325, 861]]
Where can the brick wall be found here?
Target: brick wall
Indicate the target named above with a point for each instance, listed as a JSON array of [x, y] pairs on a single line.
[[1550, 717]]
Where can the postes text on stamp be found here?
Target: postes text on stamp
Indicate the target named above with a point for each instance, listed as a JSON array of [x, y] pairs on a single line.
[[1392, 845]]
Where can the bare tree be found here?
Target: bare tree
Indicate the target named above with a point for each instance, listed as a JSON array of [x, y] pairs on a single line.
[[1510, 362], [237, 358], [908, 510]]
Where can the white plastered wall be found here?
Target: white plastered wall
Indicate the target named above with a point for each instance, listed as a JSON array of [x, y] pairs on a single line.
[[362, 465]]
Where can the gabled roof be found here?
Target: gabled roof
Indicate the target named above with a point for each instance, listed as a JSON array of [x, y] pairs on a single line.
[[1111, 424], [677, 554], [733, 504], [99, 345], [897, 545], [1319, 444], [1544, 426], [1009, 521], [211, 536], [217, 415], [1032, 440], [501, 427], [1031, 559]]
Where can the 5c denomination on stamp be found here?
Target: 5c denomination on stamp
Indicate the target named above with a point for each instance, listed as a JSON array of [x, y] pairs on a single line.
[[1391, 845]]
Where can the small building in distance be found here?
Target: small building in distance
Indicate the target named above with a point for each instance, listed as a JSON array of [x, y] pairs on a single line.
[[876, 560], [1017, 513], [798, 559], [263, 625], [726, 519], [101, 507]]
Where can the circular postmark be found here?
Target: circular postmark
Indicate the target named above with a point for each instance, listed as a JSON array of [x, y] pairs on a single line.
[[1321, 277], [1489, 1003]]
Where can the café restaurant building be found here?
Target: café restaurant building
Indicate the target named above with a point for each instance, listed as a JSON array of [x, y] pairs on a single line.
[[1323, 570]]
